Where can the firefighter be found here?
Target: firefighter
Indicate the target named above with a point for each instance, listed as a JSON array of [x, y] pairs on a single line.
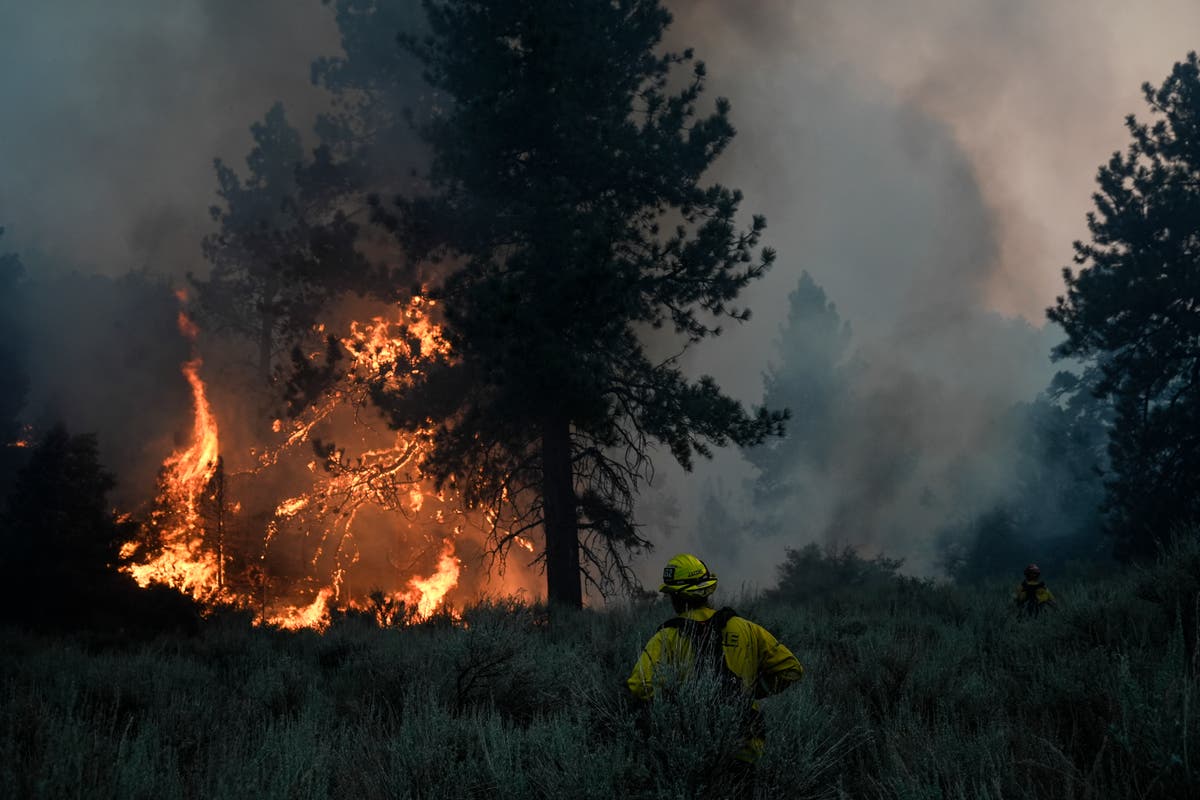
[[1032, 596], [744, 656]]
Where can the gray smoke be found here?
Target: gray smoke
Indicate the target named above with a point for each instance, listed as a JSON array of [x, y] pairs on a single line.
[[110, 117], [927, 162], [111, 114]]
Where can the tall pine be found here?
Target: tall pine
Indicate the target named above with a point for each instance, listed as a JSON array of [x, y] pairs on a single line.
[[567, 202], [1132, 310]]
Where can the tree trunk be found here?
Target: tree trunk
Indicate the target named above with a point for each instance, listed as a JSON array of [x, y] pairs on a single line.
[[559, 520], [266, 329]]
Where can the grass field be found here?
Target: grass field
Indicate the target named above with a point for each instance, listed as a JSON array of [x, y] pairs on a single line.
[[912, 690]]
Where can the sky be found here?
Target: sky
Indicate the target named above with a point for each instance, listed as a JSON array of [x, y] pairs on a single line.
[[113, 112], [929, 162]]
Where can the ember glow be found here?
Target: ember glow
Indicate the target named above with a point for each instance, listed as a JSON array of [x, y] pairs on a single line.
[[427, 594], [24, 438], [300, 558]]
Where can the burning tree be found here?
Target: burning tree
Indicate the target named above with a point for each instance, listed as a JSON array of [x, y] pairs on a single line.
[[566, 192], [284, 262], [285, 249], [567, 222], [291, 561]]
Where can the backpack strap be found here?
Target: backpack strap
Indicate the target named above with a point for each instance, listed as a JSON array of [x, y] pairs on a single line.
[[721, 619], [708, 642], [707, 636], [718, 621]]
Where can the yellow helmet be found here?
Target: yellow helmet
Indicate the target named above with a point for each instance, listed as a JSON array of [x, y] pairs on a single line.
[[688, 576]]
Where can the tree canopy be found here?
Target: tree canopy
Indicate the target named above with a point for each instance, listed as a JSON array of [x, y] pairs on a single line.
[[567, 203], [285, 247], [1132, 310]]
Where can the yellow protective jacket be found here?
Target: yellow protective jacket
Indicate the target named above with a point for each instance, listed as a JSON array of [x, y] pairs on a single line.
[[763, 665], [1032, 597]]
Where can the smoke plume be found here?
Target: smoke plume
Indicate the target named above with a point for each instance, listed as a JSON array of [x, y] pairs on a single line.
[[929, 165]]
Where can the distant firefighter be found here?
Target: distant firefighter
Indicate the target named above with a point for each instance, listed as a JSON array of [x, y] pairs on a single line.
[[1033, 596]]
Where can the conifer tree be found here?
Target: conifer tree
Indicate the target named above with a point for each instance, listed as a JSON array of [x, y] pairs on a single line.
[[60, 527], [14, 374], [567, 200], [12, 342], [810, 375], [284, 248], [1132, 311]]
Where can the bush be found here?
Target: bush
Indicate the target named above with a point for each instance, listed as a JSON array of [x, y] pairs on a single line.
[[938, 693]]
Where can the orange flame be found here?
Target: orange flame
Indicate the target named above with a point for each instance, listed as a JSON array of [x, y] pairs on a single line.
[[426, 594], [183, 562], [314, 615], [291, 507], [320, 521], [194, 467], [24, 438]]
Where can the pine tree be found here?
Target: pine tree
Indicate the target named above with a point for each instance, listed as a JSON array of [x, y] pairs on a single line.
[[810, 376], [14, 383], [285, 248], [567, 202], [1133, 312], [61, 532], [375, 88], [12, 367]]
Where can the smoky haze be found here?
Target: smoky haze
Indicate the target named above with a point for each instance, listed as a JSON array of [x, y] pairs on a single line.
[[928, 163], [111, 115]]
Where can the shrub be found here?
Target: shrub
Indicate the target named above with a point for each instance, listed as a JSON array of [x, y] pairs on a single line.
[[941, 693]]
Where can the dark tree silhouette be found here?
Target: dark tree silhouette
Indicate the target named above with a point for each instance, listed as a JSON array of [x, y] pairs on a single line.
[[285, 247], [60, 550], [566, 191], [375, 87], [15, 380], [61, 539], [1133, 312], [59, 518], [812, 574], [14, 375], [1061, 446]]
